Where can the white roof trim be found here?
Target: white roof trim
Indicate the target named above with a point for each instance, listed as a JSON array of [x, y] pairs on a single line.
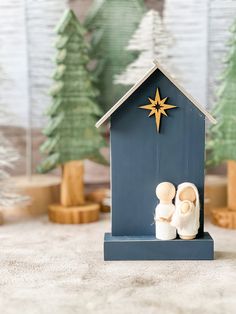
[[139, 83]]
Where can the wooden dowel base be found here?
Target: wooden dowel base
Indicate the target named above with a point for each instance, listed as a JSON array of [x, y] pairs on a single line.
[[89, 212], [72, 184], [224, 217]]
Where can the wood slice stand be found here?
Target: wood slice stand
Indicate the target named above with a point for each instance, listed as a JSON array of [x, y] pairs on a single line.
[[73, 209], [225, 217], [74, 215], [100, 196], [42, 189]]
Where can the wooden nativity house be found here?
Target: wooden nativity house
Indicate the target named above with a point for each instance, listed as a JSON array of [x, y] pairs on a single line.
[[157, 133]]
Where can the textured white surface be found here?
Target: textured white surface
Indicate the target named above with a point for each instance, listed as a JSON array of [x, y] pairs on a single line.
[[48, 268]]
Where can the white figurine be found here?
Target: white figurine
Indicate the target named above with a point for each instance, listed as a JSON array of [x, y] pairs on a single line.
[[187, 214], [165, 191]]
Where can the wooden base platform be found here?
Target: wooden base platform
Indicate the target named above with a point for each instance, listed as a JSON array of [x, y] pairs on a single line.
[[89, 212], [126, 248], [224, 217]]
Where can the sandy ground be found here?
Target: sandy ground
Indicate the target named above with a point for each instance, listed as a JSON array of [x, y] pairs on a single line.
[[49, 268]]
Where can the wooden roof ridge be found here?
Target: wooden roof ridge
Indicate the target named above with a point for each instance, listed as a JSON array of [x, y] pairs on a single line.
[[140, 82]]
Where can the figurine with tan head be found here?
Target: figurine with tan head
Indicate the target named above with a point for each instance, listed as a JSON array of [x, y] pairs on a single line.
[[165, 192], [187, 214]]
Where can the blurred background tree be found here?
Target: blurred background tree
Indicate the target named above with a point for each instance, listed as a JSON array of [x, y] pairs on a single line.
[[222, 136], [8, 158], [151, 41], [112, 23], [71, 133]]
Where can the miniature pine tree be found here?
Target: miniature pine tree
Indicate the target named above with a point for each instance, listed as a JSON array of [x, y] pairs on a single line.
[[73, 113], [152, 41], [222, 136], [112, 23]]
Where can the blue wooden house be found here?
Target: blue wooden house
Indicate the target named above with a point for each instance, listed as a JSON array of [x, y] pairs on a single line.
[[157, 134]]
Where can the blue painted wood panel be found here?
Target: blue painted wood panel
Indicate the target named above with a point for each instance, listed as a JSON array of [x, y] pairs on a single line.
[[149, 248], [142, 158]]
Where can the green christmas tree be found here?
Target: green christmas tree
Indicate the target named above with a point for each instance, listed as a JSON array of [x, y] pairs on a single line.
[[112, 23], [71, 133], [222, 136]]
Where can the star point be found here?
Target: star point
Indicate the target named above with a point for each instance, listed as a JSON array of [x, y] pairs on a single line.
[[157, 107]]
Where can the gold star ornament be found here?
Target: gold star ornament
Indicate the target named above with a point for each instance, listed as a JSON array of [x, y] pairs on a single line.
[[157, 107]]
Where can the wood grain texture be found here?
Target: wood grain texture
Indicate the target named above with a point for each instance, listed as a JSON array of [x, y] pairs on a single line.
[[72, 186], [89, 212], [231, 167], [224, 217], [143, 158]]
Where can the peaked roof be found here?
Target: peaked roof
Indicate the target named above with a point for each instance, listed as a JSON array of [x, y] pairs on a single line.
[[139, 83]]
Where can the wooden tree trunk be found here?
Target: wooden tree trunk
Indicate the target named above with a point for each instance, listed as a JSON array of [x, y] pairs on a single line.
[[215, 192], [226, 217], [232, 184], [72, 186], [73, 209]]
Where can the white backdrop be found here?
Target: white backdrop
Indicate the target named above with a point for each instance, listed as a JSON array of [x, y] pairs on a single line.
[[26, 56]]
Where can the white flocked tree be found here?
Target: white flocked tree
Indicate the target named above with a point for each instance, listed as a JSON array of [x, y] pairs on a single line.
[[8, 156], [151, 41]]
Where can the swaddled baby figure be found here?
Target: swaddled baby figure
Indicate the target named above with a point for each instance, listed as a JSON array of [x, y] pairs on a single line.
[[187, 211]]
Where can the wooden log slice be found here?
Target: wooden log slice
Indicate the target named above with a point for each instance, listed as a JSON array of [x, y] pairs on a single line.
[[105, 208], [1, 218], [224, 217], [231, 168], [215, 193], [89, 212], [101, 196], [42, 189]]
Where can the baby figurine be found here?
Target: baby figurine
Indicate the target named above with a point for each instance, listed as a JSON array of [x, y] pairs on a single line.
[[165, 191], [187, 213]]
